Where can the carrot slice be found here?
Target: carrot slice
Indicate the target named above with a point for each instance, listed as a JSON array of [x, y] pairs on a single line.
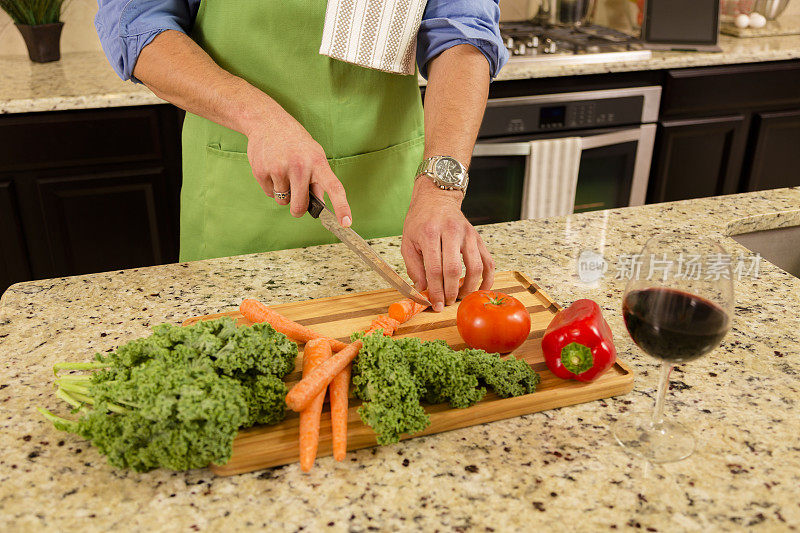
[[387, 324], [255, 311], [305, 390], [403, 310], [316, 351], [339, 390]]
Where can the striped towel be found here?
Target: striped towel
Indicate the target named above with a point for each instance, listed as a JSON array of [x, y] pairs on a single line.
[[551, 178], [378, 34]]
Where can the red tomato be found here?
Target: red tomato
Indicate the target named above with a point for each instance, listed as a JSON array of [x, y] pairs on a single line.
[[493, 321]]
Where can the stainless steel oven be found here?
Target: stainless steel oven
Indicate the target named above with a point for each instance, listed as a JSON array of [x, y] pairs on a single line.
[[617, 130]]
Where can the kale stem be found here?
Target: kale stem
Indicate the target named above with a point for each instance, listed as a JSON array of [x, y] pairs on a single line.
[[62, 424], [97, 365], [64, 395], [71, 386], [88, 399], [75, 378]]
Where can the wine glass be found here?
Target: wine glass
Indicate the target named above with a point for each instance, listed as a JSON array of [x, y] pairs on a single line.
[[677, 307]]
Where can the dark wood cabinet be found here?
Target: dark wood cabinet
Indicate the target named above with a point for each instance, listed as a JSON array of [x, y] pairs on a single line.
[[727, 129], [697, 158], [13, 254], [107, 220], [91, 191], [775, 158]]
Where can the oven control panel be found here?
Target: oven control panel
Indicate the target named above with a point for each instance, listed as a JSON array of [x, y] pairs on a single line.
[[518, 116]]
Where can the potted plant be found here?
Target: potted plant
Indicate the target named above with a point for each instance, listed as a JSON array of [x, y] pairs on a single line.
[[39, 22]]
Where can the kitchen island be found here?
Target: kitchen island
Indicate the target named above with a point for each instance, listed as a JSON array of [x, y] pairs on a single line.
[[558, 469]]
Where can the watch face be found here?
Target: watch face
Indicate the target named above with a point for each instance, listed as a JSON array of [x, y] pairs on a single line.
[[449, 170]]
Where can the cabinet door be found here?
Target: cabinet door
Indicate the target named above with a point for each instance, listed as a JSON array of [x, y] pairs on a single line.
[[697, 158], [776, 155], [13, 256], [107, 220]]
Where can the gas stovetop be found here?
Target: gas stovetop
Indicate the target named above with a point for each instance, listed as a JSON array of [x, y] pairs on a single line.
[[530, 42]]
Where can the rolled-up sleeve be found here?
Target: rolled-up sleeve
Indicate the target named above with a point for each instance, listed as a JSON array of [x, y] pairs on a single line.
[[125, 27], [447, 23]]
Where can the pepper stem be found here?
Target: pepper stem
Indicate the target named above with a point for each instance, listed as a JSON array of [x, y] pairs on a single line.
[[577, 358]]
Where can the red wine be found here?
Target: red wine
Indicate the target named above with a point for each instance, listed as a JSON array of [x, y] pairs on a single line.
[[673, 325]]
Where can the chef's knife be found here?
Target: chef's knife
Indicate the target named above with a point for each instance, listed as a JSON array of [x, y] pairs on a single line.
[[317, 209]]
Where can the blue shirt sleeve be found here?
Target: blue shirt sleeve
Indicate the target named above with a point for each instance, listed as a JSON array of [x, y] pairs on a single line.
[[447, 23], [127, 26]]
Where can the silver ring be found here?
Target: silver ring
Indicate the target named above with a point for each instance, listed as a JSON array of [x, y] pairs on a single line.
[[282, 195]]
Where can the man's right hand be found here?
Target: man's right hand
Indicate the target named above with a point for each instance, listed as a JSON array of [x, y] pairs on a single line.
[[284, 157]]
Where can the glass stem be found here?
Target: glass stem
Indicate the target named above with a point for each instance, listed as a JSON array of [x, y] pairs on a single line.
[[663, 385]]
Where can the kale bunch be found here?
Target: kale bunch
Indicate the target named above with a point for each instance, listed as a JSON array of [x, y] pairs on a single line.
[[392, 377], [177, 398]]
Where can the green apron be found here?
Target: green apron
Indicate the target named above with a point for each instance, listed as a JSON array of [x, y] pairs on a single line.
[[369, 123]]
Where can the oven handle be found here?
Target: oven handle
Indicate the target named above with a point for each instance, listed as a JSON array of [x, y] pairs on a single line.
[[587, 143]]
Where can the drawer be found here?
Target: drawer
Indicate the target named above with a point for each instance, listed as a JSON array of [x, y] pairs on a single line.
[[69, 138], [730, 88]]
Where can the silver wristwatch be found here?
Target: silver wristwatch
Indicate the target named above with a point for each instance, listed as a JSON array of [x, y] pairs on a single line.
[[446, 172]]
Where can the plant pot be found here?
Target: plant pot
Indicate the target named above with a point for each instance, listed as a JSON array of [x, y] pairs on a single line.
[[43, 41]]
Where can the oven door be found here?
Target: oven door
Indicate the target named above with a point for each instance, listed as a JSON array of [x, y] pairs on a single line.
[[614, 171]]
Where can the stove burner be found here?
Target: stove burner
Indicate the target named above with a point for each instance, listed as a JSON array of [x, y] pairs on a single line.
[[527, 41]]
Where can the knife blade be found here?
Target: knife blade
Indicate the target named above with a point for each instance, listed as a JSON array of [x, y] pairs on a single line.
[[354, 241]]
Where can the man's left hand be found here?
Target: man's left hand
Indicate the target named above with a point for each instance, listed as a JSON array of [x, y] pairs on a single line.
[[436, 236]]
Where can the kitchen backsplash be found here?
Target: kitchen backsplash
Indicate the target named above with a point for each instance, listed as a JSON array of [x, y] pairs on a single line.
[[79, 34]]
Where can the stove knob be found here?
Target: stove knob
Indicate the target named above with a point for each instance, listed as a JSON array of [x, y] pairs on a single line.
[[510, 43], [533, 42], [520, 50], [550, 46]]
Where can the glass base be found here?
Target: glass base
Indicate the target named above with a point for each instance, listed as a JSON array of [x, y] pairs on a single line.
[[664, 442]]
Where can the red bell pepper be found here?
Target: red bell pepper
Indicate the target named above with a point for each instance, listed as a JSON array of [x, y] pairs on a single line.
[[578, 343]]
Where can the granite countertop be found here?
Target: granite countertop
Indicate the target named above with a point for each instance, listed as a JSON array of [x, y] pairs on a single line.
[[558, 468], [84, 80]]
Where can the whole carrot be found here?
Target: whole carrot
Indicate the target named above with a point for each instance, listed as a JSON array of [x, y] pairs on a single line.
[[339, 390], [255, 311], [316, 352], [305, 390]]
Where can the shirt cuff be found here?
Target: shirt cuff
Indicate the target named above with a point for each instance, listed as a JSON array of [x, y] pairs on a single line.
[[139, 22], [437, 35]]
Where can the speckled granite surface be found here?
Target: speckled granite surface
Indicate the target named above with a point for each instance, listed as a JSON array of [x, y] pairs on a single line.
[[558, 469], [84, 80]]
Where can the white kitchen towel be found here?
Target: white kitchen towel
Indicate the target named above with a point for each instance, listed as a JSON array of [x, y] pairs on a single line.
[[379, 34], [551, 177]]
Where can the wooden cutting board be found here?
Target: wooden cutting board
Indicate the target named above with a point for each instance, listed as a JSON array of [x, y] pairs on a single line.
[[266, 446]]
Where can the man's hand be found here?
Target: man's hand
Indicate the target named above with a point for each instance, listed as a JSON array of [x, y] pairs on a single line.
[[436, 236], [285, 157]]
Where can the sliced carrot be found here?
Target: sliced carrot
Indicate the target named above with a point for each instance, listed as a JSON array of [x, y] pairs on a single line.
[[339, 390], [255, 311], [316, 352], [387, 324], [304, 392], [403, 310]]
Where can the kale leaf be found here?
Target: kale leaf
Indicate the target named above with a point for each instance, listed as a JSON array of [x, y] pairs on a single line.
[[177, 398], [392, 377]]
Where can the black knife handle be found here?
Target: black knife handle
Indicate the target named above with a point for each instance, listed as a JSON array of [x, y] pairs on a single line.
[[315, 205]]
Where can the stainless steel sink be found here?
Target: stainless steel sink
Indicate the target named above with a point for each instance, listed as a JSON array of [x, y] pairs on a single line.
[[779, 246]]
